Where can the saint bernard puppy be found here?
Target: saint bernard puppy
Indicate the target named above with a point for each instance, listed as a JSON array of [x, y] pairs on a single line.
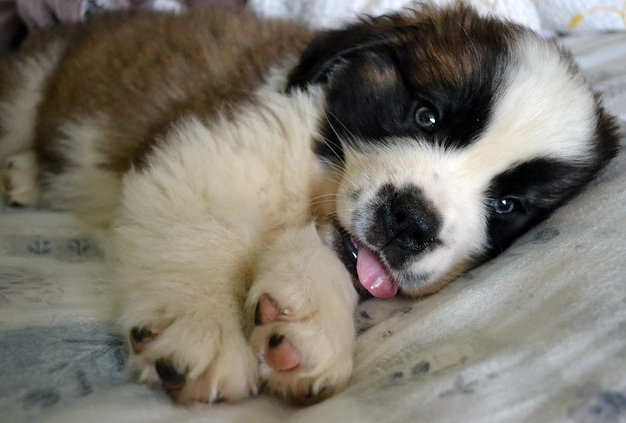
[[249, 171]]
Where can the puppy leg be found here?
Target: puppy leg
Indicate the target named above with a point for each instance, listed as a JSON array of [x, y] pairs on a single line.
[[191, 343], [302, 302], [190, 226], [24, 80], [181, 263], [19, 179]]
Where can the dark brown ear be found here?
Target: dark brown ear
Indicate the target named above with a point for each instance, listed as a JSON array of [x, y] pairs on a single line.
[[331, 48]]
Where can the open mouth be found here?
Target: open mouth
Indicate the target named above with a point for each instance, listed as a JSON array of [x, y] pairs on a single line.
[[371, 272]]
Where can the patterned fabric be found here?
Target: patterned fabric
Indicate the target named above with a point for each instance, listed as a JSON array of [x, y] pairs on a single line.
[[330, 13], [547, 16], [536, 335], [580, 16]]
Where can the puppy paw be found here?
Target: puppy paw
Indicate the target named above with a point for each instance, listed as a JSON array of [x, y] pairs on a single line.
[[302, 304], [18, 178], [301, 355], [195, 357]]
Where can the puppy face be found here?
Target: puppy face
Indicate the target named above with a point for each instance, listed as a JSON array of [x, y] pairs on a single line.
[[452, 135]]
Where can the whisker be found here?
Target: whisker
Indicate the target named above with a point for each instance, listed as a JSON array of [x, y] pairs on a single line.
[[352, 136], [325, 195], [345, 172], [322, 201], [319, 203], [327, 142], [341, 172]]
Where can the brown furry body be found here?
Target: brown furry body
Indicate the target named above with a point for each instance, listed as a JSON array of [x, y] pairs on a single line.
[[159, 74]]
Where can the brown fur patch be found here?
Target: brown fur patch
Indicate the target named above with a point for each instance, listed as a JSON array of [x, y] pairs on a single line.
[[141, 72]]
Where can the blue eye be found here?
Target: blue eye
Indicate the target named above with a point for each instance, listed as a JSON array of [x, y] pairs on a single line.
[[505, 205], [426, 118]]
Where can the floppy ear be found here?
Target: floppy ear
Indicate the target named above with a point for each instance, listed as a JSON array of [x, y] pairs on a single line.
[[334, 47], [331, 48]]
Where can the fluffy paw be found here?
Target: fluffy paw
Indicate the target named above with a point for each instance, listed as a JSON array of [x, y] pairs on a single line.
[[302, 302], [19, 179], [301, 356], [195, 358]]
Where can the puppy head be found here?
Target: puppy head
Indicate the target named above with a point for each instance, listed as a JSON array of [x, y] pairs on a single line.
[[452, 134]]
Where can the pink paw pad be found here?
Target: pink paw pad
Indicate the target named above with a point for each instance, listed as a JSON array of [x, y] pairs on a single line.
[[280, 354], [267, 311]]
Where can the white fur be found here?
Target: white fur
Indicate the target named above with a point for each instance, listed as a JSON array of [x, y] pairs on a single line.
[[445, 183], [315, 289], [88, 190], [18, 111], [186, 240], [537, 95], [541, 112]]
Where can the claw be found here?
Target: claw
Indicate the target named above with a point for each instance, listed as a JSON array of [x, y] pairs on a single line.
[[139, 338], [172, 379], [276, 340], [310, 395], [218, 399]]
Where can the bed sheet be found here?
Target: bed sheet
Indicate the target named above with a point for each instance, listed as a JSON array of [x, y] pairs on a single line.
[[536, 335]]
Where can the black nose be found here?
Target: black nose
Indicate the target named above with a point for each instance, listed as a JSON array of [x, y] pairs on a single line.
[[409, 223]]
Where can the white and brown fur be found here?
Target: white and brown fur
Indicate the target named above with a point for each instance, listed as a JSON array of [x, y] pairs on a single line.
[[208, 143]]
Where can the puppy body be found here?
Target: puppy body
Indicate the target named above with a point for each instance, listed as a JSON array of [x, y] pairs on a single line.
[[118, 84], [208, 143], [187, 150]]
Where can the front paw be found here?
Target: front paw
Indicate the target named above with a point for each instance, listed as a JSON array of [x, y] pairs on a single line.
[[302, 355], [302, 302], [195, 357], [18, 179]]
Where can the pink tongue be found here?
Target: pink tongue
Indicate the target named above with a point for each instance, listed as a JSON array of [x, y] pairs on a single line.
[[373, 275]]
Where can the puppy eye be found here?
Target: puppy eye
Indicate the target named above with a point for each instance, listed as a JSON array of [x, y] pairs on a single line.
[[505, 205], [426, 118]]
